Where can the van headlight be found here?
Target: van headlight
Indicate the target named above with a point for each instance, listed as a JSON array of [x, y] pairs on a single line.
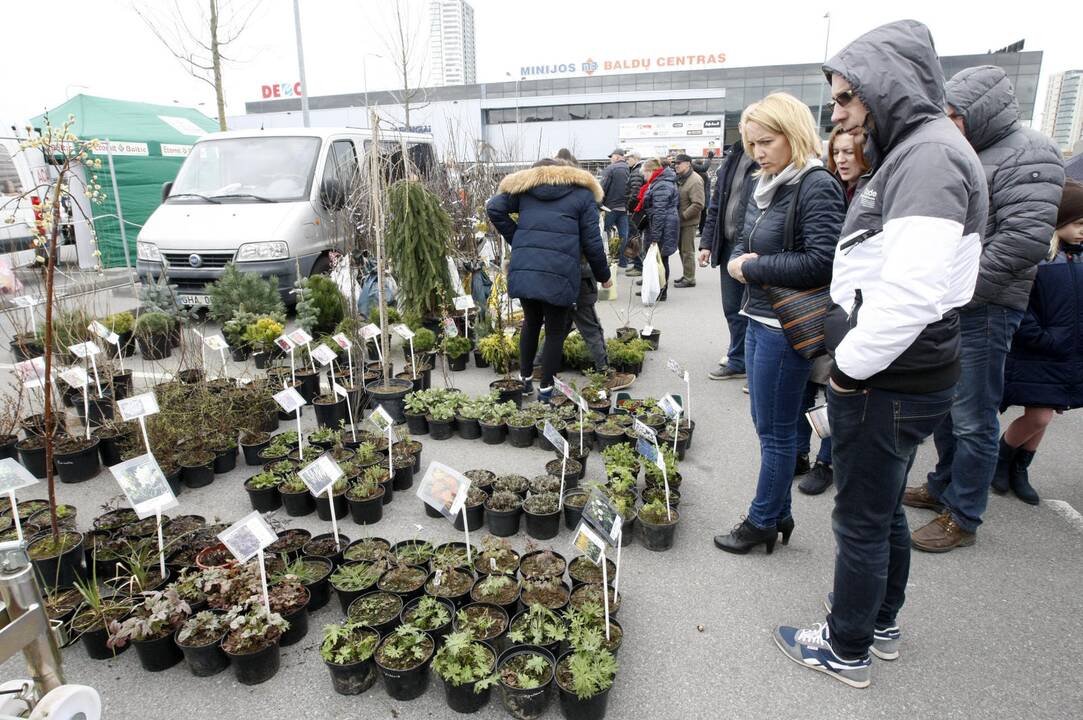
[[148, 251], [263, 251]]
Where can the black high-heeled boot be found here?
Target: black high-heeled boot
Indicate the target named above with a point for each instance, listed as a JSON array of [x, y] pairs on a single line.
[[1002, 475], [746, 536], [786, 528]]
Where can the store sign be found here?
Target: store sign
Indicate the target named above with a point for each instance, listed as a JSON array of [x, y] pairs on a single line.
[[641, 64], [279, 90], [670, 136]]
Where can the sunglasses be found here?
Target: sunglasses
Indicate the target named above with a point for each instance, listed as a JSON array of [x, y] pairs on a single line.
[[843, 98]]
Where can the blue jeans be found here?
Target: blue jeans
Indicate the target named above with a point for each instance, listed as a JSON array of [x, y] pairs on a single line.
[[876, 434], [967, 440], [776, 383], [733, 293], [618, 219], [804, 430]]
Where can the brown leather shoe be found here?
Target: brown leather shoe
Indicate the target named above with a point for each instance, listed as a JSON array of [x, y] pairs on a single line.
[[941, 535], [920, 497]]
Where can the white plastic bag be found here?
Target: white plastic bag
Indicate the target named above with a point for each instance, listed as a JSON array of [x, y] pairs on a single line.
[[652, 288]]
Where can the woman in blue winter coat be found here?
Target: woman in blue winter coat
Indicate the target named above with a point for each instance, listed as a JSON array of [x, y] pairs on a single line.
[[780, 135], [1044, 369], [557, 207], [658, 205]]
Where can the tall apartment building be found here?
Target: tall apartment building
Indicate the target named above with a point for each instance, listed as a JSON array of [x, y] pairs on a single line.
[[1063, 117], [451, 43]]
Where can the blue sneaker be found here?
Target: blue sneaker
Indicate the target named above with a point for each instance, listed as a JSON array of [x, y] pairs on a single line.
[[885, 641], [528, 384], [545, 394], [811, 648]]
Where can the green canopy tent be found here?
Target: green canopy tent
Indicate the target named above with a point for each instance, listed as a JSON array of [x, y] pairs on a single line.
[[148, 143]]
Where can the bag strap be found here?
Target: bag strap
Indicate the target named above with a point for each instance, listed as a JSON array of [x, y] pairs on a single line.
[[791, 212]]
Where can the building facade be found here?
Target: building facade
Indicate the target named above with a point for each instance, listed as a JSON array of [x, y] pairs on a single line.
[[451, 43], [521, 120], [1063, 117]]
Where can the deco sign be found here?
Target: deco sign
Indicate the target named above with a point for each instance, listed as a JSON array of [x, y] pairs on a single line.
[[281, 90]]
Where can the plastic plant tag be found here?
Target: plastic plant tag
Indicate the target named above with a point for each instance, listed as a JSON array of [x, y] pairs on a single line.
[[246, 537], [339, 390], [31, 372], [647, 449], [554, 436], [444, 489], [285, 343], [342, 341], [144, 485], [321, 474], [670, 406], [674, 367], [402, 331], [643, 431], [647, 330], [602, 515], [587, 542], [84, 350], [104, 333], [370, 331], [216, 343], [289, 399], [324, 355], [564, 388], [76, 377], [450, 328], [25, 301], [464, 302], [381, 419], [138, 406], [14, 476], [300, 337]]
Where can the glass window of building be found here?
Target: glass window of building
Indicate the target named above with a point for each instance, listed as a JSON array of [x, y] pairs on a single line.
[[644, 109], [680, 81], [627, 109], [678, 107], [594, 111], [561, 112], [610, 110], [644, 82], [697, 107]]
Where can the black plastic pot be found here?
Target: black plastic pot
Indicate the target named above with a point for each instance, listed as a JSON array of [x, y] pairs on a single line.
[[475, 518], [658, 537], [108, 450], [463, 698], [503, 523], [64, 570], [240, 353], [406, 684], [155, 346], [458, 364], [572, 515], [95, 644], [515, 395], [251, 452], [310, 384], [264, 499], [80, 465], [367, 512], [195, 476], [33, 459], [493, 434], [298, 628], [430, 511], [390, 399], [652, 339], [159, 654], [298, 504], [403, 478], [319, 592], [352, 679], [526, 704], [479, 361], [572, 708], [121, 384], [205, 660], [469, 428], [417, 424], [257, 667], [521, 437], [603, 441], [7, 446], [542, 527], [225, 460], [439, 429], [323, 507], [330, 415]]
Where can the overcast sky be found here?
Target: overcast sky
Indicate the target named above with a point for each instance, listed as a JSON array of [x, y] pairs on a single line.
[[104, 45]]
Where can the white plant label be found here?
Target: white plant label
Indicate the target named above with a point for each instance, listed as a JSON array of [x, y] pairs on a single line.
[[216, 343], [464, 302], [602, 515], [248, 536], [324, 355], [321, 474], [444, 489], [402, 331], [104, 333], [670, 406], [138, 406], [285, 343], [85, 350], [300, 337], [643, 431], [339, 390], [381, 419], [342, 341], [554, 436], [144, 485], [647, 330], [289, 399], [647, 449], [31, 372], [450, 328], [25, 301], [509, 332], [370, 331], [76, 377], [14, 476], [588, 543]]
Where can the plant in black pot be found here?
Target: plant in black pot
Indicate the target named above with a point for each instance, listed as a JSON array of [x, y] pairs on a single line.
[[526, 676], [502, 512], [296, 498], [474, 509], [252, 642], [76, 458], [493, 421], [403, 657], [153, 333], [366, 496], [542, 515], [347, 649], [197, 467], [336, 504], [354, 579], [415, 408], [330, 410], [200, 640], [538, 626], [92, 621], [58, 560], [260, 335], [496, 556], [431, 614], [657, 525], [585, 674], [151, 627], [466, 666], [457, 349], [441, 417], [521, 430], [497, 589]]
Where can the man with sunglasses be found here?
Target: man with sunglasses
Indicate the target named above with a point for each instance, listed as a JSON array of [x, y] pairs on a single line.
[[906, 261]]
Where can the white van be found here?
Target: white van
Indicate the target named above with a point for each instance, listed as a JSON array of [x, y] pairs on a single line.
[[262, 199]]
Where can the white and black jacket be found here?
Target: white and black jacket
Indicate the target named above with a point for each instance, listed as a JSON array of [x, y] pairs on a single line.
[[910, 246]]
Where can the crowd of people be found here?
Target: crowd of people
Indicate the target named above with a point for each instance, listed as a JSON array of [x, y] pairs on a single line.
[[924, 276]]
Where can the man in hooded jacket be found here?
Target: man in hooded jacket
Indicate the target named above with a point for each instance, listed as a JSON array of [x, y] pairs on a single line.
[[1025, 175], [906, 261]]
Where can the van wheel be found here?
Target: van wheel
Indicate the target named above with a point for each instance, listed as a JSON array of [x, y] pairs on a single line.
[[322, 266]]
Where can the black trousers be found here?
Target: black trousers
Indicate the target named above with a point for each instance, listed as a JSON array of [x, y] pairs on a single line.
[[555, 319]]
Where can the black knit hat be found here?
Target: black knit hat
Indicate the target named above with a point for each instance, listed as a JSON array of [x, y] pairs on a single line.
[[1071, 203]]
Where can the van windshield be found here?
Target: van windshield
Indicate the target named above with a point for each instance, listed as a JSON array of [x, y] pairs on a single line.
[[250, 169]]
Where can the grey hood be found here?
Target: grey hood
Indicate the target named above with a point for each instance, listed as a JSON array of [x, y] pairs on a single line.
[[985, 99], [895, 71]]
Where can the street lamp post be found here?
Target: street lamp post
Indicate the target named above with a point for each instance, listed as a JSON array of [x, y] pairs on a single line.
[[820, 107], [301, 61]]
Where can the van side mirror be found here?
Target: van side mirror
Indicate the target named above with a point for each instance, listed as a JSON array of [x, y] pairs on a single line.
[[332, 195], [166, 188]]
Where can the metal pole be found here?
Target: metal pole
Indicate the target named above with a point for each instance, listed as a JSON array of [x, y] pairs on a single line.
[[820, 107], [120, 214], [20, 594], [365, 75], [300, 60]]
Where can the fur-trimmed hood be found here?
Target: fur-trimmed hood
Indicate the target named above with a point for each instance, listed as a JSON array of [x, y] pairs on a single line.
[[558, 180]]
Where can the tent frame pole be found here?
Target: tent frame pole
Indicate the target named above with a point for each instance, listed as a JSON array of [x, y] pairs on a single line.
[[120, 214]]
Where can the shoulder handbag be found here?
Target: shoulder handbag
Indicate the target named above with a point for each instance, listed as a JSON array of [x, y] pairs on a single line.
[[800, 311]]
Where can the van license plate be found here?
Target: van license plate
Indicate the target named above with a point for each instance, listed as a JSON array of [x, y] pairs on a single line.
[[194, 300]]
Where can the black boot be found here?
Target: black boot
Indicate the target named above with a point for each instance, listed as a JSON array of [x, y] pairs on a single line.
[[1005, 458], [1019, 477], [802, 465], [746, 536]]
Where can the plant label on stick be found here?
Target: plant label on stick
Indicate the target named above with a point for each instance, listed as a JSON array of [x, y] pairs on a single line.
[[464, 302], [647, 449], [370, 331], [509, 332], [216, 343], [84, 350], [25, 301], [345, 395], [321, 474], [246, 537], [31, 372], [382, 420], [601, 514], [670, 406], [283, 342], [403, 331], [342, 341], [450, 328], [643, 431], [324, 355], [289, 400], [76, 377], [587, 542], [103, 332], [444, 489], [300, 337], [14, 476], [553, 436], [138, 406], [144, 485], [648, 329]]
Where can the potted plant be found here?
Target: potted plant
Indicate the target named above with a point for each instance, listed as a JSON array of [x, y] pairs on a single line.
[[197, 468], [475, 510], [92, 622], [493, 422], [496, 556], [497, 589], [153, 333], [502, 512], [123, 324], [200, 640], [347, 649], [457, 349], [582, 570], [512, 482], [58, 561], [289, 542], [296, 498], [431, 614], [337, 501], [542, 563], [542, 515], [330, 410], [526, 677], [538, 626], [585, 674], [403, 657], [452, 584], [521, 430], [76, 458], [440, 418], [352, 580], [262, 489], [406, 581], [488, 623], [365, 497], [657, 526], [150, 627], [311, 572], [368, 549], [466, 666], [261, 336], [252, 643], [378, 610], [415, 408]]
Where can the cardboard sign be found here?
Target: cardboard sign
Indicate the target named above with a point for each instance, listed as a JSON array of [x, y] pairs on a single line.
[[339, 390], [321, 474], [76, 377], [553, 435], [289, 400], [216, 343], [464, 302], [370, 331], [25, 301], [31, 373], [643, 431], [104, 333], [600, 512], [144, 485], [342, 340], [402, 331], [444, 489], [588, 543], [324, 355], [673, 366], [670, 406], [285, 343], [647, 449], [14, 476], [138, 406], [84, 350], [300, 337], [246, 537]]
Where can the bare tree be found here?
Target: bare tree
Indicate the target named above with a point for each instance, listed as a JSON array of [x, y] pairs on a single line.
[[403, 41], [198, 42]]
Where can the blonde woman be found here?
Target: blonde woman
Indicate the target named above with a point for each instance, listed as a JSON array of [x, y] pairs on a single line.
[[780, 136]]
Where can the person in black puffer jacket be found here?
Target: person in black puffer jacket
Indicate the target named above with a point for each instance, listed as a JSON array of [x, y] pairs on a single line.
[[780, 135], [659, 203], [558, 223], [635, 184]]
